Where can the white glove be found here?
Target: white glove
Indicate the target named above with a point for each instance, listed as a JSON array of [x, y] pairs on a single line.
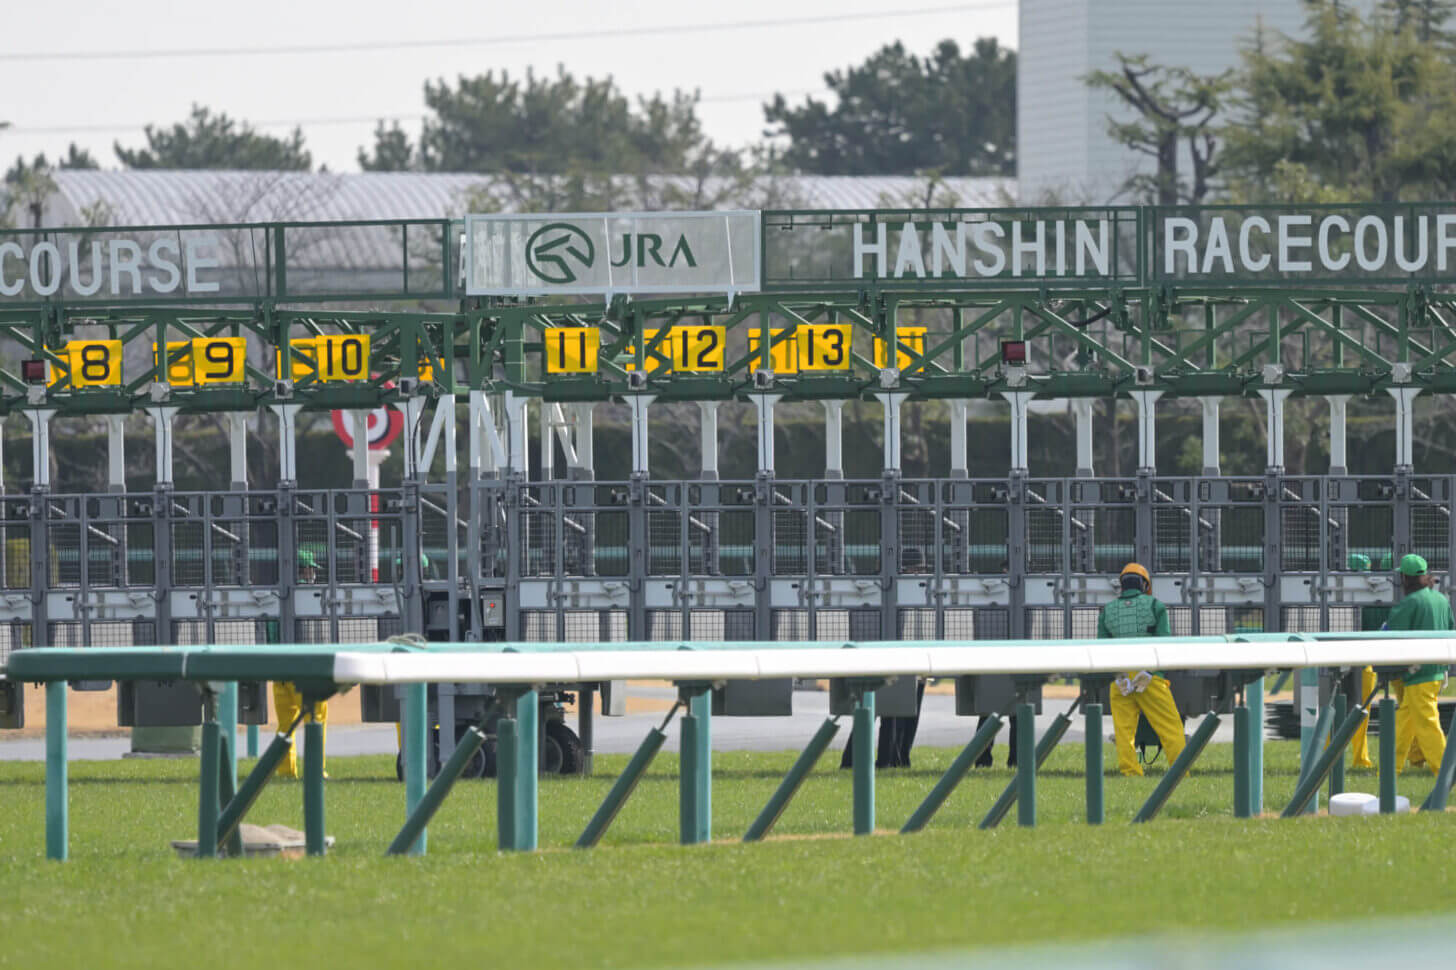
[[1141, 680], [1124, 685]]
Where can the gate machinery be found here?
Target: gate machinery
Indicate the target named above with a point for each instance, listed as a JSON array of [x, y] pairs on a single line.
[[548, 317]]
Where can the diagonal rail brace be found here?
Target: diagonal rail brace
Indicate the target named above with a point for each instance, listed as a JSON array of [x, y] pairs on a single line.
[[789, 787], [1178, 770]]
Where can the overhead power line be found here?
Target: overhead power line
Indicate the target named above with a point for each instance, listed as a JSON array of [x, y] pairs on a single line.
[[402, 116], [396, 45]]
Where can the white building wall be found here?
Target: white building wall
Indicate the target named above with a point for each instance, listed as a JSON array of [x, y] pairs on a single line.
[[1064, 149]]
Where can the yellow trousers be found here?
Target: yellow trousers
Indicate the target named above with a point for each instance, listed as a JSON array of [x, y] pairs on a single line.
[[287, 702], [1417, 721], [1156, 704], [1359, 745]]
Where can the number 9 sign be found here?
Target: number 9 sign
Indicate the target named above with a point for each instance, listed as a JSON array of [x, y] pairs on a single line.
[[382, 426]]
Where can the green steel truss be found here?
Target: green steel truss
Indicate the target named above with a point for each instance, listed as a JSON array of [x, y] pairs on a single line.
[[1136, 326]]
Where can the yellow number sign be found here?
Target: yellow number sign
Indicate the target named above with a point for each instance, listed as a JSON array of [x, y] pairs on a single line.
[[782, 353], [219, 360], [571, 350], [665, 348], [304, 358], [698, 349], [343, 357], [94, 363], [337, 357], [912, 337], [178, 368], [824, 346]]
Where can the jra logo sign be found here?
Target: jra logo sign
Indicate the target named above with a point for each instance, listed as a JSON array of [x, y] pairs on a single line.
[[602, 253]]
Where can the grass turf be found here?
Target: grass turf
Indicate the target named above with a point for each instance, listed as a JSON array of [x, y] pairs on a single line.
[[125, 900]]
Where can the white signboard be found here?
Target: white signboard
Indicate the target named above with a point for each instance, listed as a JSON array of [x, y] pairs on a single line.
[[612, 252]]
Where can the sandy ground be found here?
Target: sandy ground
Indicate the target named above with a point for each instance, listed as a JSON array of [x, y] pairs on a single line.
[[93, 713]]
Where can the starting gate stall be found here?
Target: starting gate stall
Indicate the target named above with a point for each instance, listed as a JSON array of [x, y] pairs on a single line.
[[491, 333]]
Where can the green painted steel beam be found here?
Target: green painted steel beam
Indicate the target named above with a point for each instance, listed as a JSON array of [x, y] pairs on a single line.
[[1178, 770], [57, 817], [791, 783]]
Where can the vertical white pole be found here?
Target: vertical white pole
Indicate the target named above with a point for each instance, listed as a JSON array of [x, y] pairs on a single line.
[[238, 449], [1147, 428], [548, 440], [1210, 435], [287, 440], [40, 444], [1338, 461], [709, 435], [639, 404], [116, 452], [162, 417], [1082, 410], [892, 403], [765, 404], [516, 434], [1404, 424], [833, 439], [360, 452], [585, 450], [1274, 416], [960, 465], [1018, 401]]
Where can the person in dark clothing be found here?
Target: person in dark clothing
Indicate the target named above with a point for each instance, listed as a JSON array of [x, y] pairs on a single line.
[[897, 734]]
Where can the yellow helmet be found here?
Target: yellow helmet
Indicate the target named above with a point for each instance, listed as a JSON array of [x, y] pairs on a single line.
[[1136, 569]]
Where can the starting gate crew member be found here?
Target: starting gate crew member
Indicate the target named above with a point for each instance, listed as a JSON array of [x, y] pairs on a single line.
[[1371, 618], [287, 701], [1417, 719], [1136, 613]]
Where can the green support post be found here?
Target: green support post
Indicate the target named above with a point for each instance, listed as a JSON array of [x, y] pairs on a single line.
[[1337, 772], [439, 789], [1333, 754], [252, 740], [507, 768], [416, 734], [227, 717], [1243, 803], [313, 788], [1306, 704], [953, 776], [1387, 755], [1011, 794], [235, 810], [57, 804], [790, 785], [695, 778], [1317, 749], [1436, 800], [623, 787], [864, 763], [1095, 810], [232, 844], [1178, 770], [210, 766], [528, 765], [1254, 699], [1026, 766]]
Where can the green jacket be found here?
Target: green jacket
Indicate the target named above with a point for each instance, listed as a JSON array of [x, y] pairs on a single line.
[[1425, 609], [1133, 614]]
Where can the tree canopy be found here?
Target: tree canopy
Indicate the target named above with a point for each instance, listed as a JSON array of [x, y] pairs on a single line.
[[1354, 109], [901, 114], [206, 140]]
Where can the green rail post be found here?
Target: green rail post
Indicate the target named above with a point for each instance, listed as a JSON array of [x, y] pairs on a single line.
[[439, 788], [210, 767], [416, 732], [507, 767], [1093, 718], [232, 844], [1012, 793], [235, 810], [1306, 703], [1436, 800], [1337, 771], [695, 777], [953, 776], [1026, 766], [1387, 755], [57, 803], [864, 762], [1178, 769], [790, 785], [227, 716], [313, 788], [1254, 698], [528, 766], [1243, 803], [1333, 754], [623, 787], [1317, 748], [252, 740]]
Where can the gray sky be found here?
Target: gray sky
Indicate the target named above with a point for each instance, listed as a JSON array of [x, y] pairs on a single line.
[[95, 100]]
